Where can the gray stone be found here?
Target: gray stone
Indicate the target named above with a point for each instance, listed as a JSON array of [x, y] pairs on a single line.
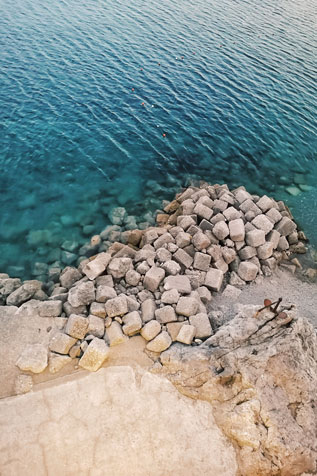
[[163, 255], [180, 283], [132, 277], [183, 239], [215, 251], [115, 335], [165, 314], [8, 285], [265, 203], [186, 334], [97, 309], [200, 241], [274, 237], [69, 309], [242, 195], [202, 325], [262, 223], [247, 252], [183, 258], [50, 308], [143, 268], [274, 215], [105, 280], [117, 306], [163, 240], [22, 294], [61, 343], [204, 294], [203, 211], [150, 330], [97, 266], [213, 280], [217, 218], [118, 267], [203, 225], [133, 304], [236, 230], [282, 244], [220, 205], [221, 230], [247, 271], [231, 213], [148, 310], [228, 254], [95, 355], [82, 294], [202, 261], [144, 254], [104, 293], [153, 278], [286, 226], [77, 326], [132, 323], [265, 251], [117, 215], [171, 267], [250, 206], [188, 207], [56, 362], [96, 326], [222, 265], [235, 280], [33, 358], [160, 342], [187, 306], [292, 239], [255, 238], [170, 297]]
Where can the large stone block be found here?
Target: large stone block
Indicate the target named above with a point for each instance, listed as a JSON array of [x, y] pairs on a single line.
[[186, 334], [81, 294], [132, 323], [255, 238], [150, 330], [97, 266], [247, 271], [95, 355], [286, 226], [160, 342], [179, 282], [115, 335], [148, 309], [214, 278], [261, 222], [33, 359], [77, 326], [61, 343], [236, 229], [165, 314], [117, 306], [153, 278], [202, 261], [202, 325], [187, 306]]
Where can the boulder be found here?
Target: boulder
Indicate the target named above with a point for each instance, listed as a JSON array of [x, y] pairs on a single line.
[[33, 358], [202, 325], [97, 266], [115, 335], [132, 323], [247, 271], [186, 334], [69, 276], [61, 343], [165, 314], [213, 280], [153, 278], [180, 283], [117, 306], [82, 294], [118, 267], [95, 355], [56, 362], [160, 343], [77, 326], [148, 309], [150, 330], [187, 306]]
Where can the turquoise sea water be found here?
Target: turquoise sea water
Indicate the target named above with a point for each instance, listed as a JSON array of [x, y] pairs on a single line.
[[115, 102]]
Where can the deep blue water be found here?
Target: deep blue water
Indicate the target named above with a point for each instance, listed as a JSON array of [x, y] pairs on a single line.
[[231, 84]]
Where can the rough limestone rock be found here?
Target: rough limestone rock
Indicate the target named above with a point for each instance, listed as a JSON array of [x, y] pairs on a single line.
[[115, 335], [132, 323], [180, 283], [202, 325], [77, 326], [118, 267], [150, 330], [33, 359], [160, 343], [23, 384], [214, 278], [56, 362], [95, 355], [260, 375], [23, 293], [61, 343], [117, 306], [97, 266], [187, 306], [186, 334], [153, 278], [82, 294]]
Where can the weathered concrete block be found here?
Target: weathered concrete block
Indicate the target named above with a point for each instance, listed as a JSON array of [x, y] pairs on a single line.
[[247, 252], [171, 267], [56, 362], [202, 325], [202, 261], [117, 306], [97, 309], [153, 278], [186, 334], [61, 343], [95, 355], [274, 215], [213, 280], [236, 230], [187, 306], [231, 213], [174, 328], [265, 251], [160, 343], [148, 309], [118, 267], [179, 282], [221, 230], [282, 244], [286, 226], [204, 294], [69, 276], [132, 277], [82, 294], [255, 238], [97, 266], [132, 323], [115, 335], [170, 297], [203, 211], [262, 223], [103, 293], [247, 271], [77, 326], [183, 239], [96, 326], [163, 240], [33, 358], [165, 314], [150, 330], [183, 258], [265, 203]]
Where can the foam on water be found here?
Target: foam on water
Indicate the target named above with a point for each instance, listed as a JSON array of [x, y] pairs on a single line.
[[231, 84]]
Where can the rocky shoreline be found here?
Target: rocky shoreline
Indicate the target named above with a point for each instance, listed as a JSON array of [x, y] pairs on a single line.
[[159, 284]]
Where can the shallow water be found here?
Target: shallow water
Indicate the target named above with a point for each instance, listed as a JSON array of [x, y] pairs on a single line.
[[231, 84]]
